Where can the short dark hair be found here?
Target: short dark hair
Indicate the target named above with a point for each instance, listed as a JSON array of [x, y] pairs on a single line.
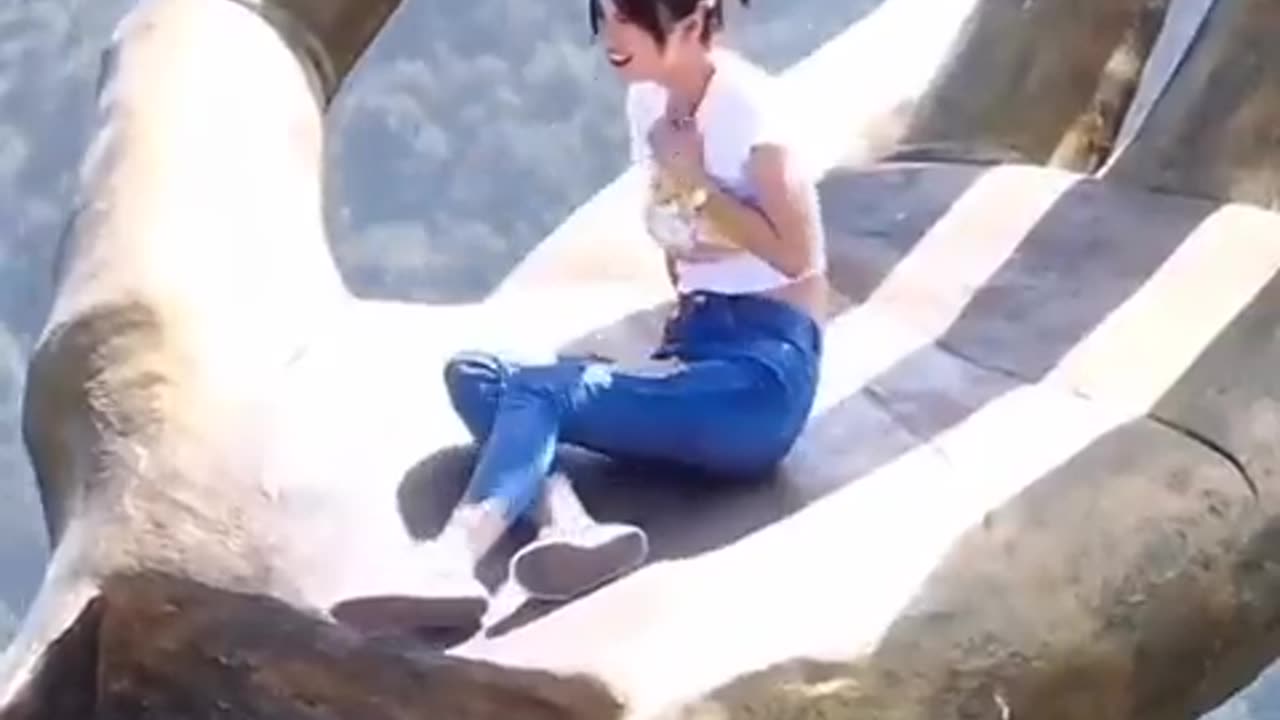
[[658, 17]]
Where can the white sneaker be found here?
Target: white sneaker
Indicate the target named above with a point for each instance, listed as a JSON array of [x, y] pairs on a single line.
[[565, 563], [446, 595]]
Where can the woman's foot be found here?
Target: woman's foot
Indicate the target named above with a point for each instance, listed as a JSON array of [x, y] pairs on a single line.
[[564, 563], [445, 596]]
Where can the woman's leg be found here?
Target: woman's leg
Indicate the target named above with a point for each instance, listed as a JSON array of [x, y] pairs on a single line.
[[476, 383], [721, 415], [731, 416], [597, 552], [700, 414]]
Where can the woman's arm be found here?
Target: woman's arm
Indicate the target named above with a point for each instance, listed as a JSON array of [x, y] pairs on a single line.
[[781, 230]]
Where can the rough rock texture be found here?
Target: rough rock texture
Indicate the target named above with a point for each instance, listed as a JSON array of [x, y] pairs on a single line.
[[985, 517], [1141, 617], [1046, 81], [991, 446], [149, 379], [1213, 133], [200, 327], [1231, 376], [330, 37], [154, 646], [149, 390]]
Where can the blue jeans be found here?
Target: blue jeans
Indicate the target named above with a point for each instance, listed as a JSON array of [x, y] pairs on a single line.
[[732, 407]]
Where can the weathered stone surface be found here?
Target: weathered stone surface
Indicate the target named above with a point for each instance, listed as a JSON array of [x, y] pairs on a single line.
[[154, 646], [1213, 132], [66, 683], [981, 405], [150, 390], [1046, 81], [330, 37], [958, 528], [1037, 272], [1157, 610], [150, 378], [201, 346], [1231, 398]]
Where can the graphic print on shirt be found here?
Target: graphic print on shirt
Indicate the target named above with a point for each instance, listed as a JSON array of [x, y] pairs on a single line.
[[738, 113], [674, 219]]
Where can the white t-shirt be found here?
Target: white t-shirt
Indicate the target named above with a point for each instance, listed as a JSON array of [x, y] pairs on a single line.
[[739, 111]]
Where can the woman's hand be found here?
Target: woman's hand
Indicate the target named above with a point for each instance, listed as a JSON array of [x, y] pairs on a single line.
[[677, 147]]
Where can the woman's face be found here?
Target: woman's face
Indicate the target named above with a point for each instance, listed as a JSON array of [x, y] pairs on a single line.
[[634, 53]]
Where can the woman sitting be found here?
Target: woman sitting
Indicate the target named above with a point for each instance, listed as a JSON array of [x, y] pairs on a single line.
[[730, 387]]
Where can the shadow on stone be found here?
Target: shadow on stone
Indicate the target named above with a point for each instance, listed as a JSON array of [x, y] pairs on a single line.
[[429, 492], [874, 218], [1172, 591], [1212, 133], [1016, 327], [431, 488], [66, 686], [154, 645], [1168, 602], [1033, 310], [1049, 81]]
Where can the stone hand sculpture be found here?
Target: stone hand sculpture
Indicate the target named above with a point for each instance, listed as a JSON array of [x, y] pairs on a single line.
[[1039, 481]]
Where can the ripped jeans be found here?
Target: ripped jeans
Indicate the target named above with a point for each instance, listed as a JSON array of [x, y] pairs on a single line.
[[732, 403]]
